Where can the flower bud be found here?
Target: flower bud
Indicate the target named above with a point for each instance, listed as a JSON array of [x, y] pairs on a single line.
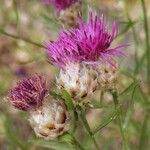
[[78, 79], [107, 75], [50, 120], [68, 17]]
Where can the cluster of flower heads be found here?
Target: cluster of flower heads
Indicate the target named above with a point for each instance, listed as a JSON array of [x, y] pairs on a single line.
[[86, 45], [86, 63], [48, 118]]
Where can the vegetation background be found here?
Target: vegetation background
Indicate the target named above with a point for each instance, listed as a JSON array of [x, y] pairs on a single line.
[[25, 24]]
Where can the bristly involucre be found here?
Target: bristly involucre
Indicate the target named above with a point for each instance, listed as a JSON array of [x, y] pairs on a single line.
[[51, 120], [88, 43], [29, 93], [60, 4]]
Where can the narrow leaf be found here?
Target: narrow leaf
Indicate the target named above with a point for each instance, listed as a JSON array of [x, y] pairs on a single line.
[[56, 145], [68, 100], [106, 122], [129, 88]]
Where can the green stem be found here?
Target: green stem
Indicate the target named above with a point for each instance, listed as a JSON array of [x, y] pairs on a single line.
[[116, 102], [106, 122], [21, 38], [86, 125], [16, 11], [77, 143], [147, 42], [143, 136]]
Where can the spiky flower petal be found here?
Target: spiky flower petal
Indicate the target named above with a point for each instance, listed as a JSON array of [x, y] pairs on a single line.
[[51, 120], [29, 93], [88, 43]]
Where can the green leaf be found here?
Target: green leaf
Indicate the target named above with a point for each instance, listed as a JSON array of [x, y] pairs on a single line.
[[127, 27], [51, 21], [130, 109], [140, 63], [66, 137], [129, 88], [85, 11], [56, 145], [106, 122], [68, 100]]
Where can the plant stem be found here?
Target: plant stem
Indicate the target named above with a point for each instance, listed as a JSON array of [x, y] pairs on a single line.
[[144, 132], [21, 38], [147, 42], [85, 122], [105, 123], [77, 143], [116, 102], [16, 12]]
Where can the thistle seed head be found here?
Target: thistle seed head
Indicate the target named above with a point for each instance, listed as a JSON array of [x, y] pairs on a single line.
[[51, 120], [79, 80]]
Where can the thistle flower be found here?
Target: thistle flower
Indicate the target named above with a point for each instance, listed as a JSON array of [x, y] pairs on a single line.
[[67, 11], [29, 93], [84, 47], [59, 4], [51, 120]]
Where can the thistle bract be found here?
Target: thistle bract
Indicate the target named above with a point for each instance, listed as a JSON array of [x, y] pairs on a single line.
[[51, 120], [107, 75], [79, 80], [29, 93]]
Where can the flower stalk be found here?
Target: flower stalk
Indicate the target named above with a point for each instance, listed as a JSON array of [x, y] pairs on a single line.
[[86, 125], [116, 103], [146, 28]]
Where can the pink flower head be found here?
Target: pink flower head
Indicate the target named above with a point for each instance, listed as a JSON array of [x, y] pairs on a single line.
[[60, 4], [29, 93], [88, 43]]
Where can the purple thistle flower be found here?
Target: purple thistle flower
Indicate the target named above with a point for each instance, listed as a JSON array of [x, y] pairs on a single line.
[[88, 43], [29, 93], [59, 4]]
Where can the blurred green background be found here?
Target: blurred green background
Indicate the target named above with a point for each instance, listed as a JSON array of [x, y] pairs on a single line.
[[25, 24]]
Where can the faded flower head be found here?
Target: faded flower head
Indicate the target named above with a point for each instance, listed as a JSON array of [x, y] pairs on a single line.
[[51, 120], [29, 93], [59, 4]]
